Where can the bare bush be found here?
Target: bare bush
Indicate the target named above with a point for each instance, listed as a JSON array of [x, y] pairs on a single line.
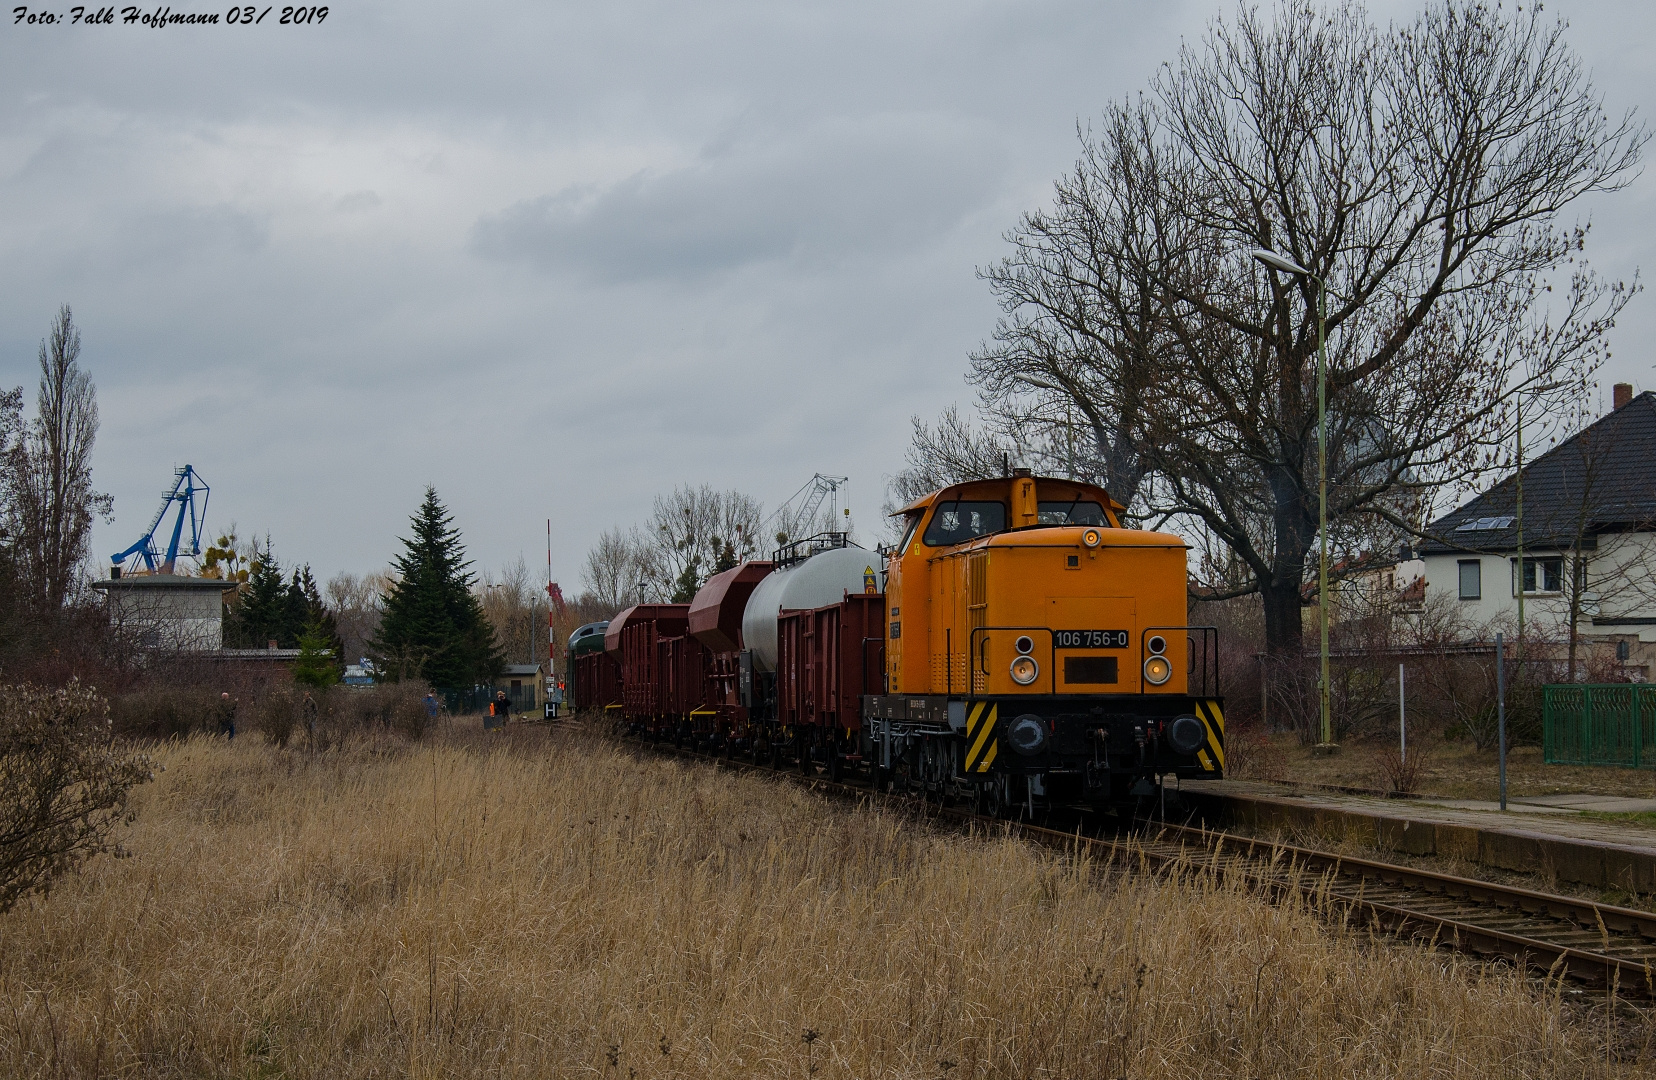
[[163, 712], [393, 708], [1249, 754], [1360, 695], [1401, 772], [276, 713], [63, 784]]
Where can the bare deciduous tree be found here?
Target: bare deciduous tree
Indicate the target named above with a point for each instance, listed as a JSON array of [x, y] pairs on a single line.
[[619, 570], [52, 472], [948, 453], [696, 531], [514, 601], [1420, 172], [355, 602]]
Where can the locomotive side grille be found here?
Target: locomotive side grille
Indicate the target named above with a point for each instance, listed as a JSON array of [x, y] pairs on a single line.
[[977, 611]]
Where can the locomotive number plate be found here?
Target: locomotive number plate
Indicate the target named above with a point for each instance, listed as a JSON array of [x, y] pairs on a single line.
[[1090, 639]]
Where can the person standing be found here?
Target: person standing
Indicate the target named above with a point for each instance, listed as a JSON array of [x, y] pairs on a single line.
[[227, 715], [503, 708], [310, 718]]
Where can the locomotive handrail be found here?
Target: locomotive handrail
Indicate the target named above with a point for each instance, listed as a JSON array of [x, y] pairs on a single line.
[[1207, 633], [1052, 649]]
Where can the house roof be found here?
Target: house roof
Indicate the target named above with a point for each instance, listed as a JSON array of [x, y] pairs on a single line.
[[520, 669], [1602, 479]]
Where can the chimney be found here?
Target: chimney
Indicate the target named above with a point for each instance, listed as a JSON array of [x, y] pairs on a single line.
[[1621, 394]]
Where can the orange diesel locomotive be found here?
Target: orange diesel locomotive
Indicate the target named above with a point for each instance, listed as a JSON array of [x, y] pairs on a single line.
[[1026, 650], [1037, 651]]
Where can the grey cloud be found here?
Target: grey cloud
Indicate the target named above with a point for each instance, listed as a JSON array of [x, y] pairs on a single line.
[[812, 197], [357, 202], [556, 258]]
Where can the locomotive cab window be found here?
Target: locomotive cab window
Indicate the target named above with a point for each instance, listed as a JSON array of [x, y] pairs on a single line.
[[958, 522], [909, 529], [1071, 513]]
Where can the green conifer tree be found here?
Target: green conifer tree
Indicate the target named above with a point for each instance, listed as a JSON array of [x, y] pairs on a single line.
[[305, 610], [260, 615], [318, 663], [433, 627]]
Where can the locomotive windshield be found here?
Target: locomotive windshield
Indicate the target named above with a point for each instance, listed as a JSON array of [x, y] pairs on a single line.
[[958, 522], [909, 530], [1071, 513]]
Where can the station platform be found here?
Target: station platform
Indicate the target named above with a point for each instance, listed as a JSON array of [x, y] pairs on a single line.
[[1547, 835]]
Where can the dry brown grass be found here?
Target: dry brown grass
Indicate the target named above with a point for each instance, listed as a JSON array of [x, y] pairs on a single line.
[[1455, 770], [546, 905]]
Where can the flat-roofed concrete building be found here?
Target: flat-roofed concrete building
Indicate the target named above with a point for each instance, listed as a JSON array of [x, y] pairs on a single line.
[[168, 611]]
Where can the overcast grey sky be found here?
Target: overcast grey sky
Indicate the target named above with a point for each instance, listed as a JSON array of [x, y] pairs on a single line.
[[557, 258]]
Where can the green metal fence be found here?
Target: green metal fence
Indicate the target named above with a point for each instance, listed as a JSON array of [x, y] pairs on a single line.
[[1611, 724]]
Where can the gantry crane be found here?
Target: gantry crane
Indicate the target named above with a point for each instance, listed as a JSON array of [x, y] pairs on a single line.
[[187, 484]]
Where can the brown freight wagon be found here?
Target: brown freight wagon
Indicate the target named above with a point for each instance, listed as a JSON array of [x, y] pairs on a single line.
[[716, 621], [827, 659], [633, 638], [685, 666], [597, 682]]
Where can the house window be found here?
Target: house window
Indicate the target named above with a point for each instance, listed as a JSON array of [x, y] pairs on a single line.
[[1543, 575], [1471, 579]]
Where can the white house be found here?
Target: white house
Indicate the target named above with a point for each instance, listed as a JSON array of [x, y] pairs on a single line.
[[1589, 542]]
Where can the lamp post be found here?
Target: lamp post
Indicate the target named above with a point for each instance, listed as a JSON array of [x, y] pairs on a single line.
[[1289, 266]]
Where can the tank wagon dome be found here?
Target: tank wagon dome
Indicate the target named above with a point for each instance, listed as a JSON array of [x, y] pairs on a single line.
[[716, 611], [669, 620], [818, 581]]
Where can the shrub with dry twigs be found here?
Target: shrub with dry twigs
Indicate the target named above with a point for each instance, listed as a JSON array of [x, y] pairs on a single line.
[[63, 784]]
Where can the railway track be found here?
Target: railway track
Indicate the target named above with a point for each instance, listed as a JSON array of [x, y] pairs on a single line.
[[1601, 946]]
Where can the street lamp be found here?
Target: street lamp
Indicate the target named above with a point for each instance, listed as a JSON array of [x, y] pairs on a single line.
[[1289, 266]]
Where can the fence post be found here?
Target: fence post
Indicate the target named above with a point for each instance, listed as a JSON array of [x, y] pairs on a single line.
[[1638, 727], [1500, 709]]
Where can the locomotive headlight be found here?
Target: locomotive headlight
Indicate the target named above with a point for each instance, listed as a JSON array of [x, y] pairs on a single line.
[[1156, 670], [1025, 644], [1025, 670], [1027, 734], [1092, 538], [1157, 644]]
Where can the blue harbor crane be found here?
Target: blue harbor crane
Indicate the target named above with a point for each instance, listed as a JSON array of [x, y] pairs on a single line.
[[187, 484]]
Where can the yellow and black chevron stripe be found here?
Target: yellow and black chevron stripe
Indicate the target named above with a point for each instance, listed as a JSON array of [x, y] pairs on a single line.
[[981, 743], [1212, 756]]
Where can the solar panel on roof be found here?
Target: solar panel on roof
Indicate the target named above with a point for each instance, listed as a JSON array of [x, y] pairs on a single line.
[[1485, 524]]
